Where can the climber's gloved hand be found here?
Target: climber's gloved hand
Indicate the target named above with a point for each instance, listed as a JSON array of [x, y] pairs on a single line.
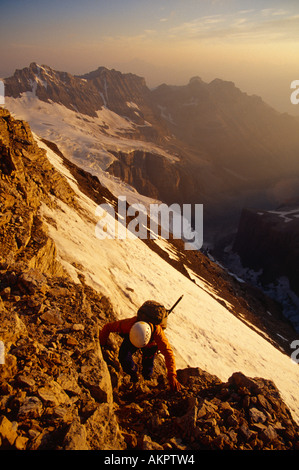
[[174, 384]]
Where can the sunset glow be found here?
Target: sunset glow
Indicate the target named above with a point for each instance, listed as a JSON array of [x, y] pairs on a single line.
[[252, 43]]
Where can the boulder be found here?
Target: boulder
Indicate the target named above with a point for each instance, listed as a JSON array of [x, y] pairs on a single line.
[[95, 376], [8, 430], [31, 408], [53, 394], [76, 437], [103, 431]]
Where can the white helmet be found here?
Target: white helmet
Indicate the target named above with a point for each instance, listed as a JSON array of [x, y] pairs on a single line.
[[140, 334]]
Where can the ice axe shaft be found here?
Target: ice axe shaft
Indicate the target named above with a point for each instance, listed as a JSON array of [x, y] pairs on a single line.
[[175, 304]]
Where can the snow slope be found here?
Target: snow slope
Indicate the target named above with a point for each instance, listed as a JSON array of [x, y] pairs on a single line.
[[203, 333], [85, 141]]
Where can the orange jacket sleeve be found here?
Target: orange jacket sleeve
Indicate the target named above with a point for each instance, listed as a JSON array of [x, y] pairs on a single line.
[[164, 346]]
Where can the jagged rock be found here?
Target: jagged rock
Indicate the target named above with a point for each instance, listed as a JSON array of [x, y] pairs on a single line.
[[8, 430], [130, 440], [268, 434], [11, 328], [266, 242], [40, 382], [208, 414], [21, 443], [95, 376], [154, 176], [30, 408], [29, 180], [9, 368], [148, 444], [69, 382], [76, 437], [176, 443], [103, 430], [240, 381], [187, 422], [52, 316], [53, 394], [25, 381], [257, 416]]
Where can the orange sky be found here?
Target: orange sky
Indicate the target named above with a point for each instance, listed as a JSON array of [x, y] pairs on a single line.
[[252, 43]]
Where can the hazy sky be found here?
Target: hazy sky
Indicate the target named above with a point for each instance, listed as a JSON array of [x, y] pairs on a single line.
[[254, 43]]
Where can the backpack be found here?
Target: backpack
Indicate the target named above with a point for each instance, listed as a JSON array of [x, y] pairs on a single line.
[[154, 313]]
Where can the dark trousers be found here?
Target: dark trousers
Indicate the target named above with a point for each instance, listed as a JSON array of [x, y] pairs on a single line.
[[126, 351]]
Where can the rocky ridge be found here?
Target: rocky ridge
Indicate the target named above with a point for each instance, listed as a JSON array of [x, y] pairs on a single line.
[[40, 311], [59, 87], [267, 245], [237, 131], [59, 390], [124, 94], [280, 254]]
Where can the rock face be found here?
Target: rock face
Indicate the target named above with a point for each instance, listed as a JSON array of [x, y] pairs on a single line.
[[56, 390], [155, 176], [267, 241], [237, 131], [59, 389], [55, 385], [124, 93], [27, 178]]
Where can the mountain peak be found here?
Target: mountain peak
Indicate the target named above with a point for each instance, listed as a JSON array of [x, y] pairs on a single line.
[[94, 73], [35, 65], [50, 85], [218, 82], [43, 69], [104, 73], [195, 79]]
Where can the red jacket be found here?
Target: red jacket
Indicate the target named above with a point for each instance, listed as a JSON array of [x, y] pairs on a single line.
[[158, 338]]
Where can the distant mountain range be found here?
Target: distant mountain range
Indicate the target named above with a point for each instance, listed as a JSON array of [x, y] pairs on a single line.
[[230, 149]]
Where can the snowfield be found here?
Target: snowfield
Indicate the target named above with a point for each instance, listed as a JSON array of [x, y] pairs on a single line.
[[87, 142], [84, 140], [203, 333]]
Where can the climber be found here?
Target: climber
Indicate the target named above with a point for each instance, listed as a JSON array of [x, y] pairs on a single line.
[[145, 332]]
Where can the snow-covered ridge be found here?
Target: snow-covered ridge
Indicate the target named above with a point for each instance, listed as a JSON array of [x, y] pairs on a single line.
[[285, 215], [80, 137], [202, 332], [88, 142]]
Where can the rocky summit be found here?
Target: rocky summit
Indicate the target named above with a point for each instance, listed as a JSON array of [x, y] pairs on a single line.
[[59, 389]]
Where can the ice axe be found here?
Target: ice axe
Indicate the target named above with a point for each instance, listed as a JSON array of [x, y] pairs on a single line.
[[175, 304]]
